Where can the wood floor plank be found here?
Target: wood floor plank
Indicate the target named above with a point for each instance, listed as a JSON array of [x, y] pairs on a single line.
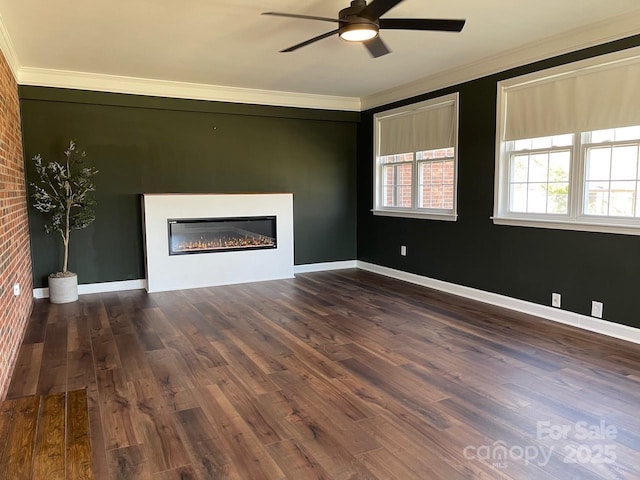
[[137, 365], [98, 449], [147, 336], [7, 409], [128, 463], [321, 443], [181, 473], [53, 372], [247, 454], [17, 460], [194, 366], [347, 433], [26, 372], [117, 409], [241, 399], [244, 368], [203, 445], [49, 461], [78, 455], [296, 462], [37, 326], [156, 429]]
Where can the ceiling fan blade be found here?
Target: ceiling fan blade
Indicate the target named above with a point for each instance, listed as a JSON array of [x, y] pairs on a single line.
[[309, 42], [305, 17], [377, 8], [376, 47], [440, 25]]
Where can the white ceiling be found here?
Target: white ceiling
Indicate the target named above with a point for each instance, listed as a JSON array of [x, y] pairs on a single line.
[[228, 43]]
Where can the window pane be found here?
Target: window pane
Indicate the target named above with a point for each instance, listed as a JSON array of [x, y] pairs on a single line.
[[599, 163], [539, 182], [425, 173], [403, 180], [396, 185], [400, 157], [559, 163], [388, 187], [542, 142], [436, 196], [522, 144], [404, 196], [600, 136], [537, 198], [519, 168], [597, 196], [447, 198], [436, 172], [627, 133], [436, 184], [425, 196], [615, 134], [622, 199], [435, 154], [387, 193], [538, 167], [624, 163], [558, 198], [518, 197], [434, 177], [562, 140]]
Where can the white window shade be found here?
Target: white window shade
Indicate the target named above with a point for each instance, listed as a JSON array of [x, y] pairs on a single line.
[[586, 100], [426, 129]]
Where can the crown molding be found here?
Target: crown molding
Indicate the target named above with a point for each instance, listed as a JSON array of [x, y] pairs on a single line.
[[605, 31], [195, 91], [6, 47], [608, 30]]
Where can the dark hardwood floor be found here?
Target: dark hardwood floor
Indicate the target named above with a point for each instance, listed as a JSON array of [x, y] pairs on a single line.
[[340, 375]]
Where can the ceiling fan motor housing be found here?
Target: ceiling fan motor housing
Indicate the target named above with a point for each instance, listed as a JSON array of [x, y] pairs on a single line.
[[351, 15], [349, 18]]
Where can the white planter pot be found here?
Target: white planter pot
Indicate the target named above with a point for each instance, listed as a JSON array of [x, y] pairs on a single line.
[[63, 289]]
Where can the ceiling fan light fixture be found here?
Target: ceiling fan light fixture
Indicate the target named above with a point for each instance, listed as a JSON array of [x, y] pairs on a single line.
[[358, 32]]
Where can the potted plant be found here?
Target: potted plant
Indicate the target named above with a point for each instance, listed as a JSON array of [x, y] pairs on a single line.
[[64, 192]]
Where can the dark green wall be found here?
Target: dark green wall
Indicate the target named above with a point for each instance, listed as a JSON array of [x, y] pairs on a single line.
[[160, 145], [520, 262]]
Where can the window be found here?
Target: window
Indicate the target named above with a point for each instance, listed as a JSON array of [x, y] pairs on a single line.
[[416, 160], [568, 144]]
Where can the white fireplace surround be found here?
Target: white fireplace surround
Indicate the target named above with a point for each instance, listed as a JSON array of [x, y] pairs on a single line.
[[165, 272]]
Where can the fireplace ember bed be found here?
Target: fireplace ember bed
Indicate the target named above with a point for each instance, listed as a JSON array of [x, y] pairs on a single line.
[[209, 235]]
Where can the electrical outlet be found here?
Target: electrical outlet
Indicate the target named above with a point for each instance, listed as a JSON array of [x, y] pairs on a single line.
[[596, 309], [556, 300], [16, 289], [403, 251]]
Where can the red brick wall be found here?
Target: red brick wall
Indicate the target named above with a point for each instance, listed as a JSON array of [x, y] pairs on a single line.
[[15, 253]]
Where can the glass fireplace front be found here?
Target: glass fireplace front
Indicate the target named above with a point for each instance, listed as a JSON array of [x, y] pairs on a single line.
[[206, 235]]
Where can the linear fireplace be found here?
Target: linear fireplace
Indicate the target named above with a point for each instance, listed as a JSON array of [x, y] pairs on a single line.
[[207, 235], [198, 217]]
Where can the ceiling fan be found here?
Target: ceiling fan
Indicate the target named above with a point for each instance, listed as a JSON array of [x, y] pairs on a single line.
[[361, 23]]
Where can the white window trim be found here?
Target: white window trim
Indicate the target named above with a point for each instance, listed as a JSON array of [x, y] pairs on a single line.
[[586, 223], [421, 213]]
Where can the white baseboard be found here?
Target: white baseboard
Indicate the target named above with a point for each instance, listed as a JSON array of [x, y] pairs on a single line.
[[324, 267], [99, 287], [142, 283], [616, 330]]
